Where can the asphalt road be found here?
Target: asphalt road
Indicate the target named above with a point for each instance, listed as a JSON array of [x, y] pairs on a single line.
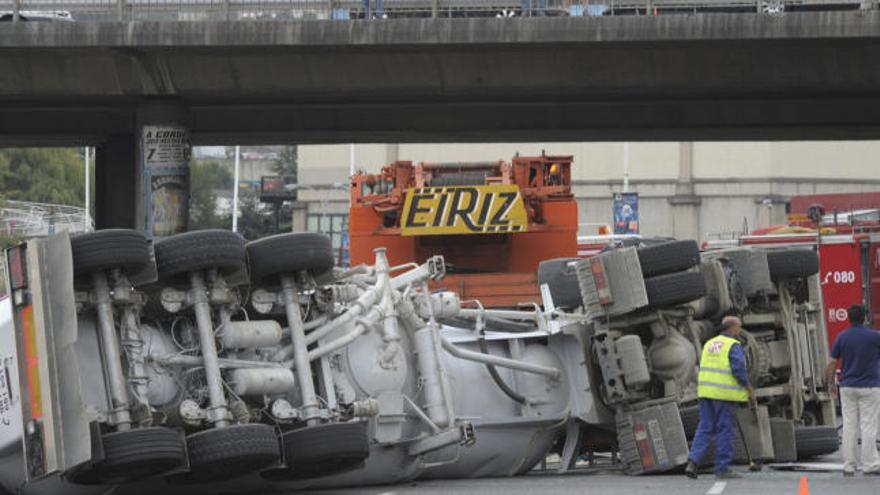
[[824, 478], [771, 482]]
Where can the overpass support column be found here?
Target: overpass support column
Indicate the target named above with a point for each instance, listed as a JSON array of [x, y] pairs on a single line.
[[163, 154], [116, 183], [685, 204]]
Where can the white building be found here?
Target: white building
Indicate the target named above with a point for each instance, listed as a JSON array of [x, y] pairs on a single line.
[[687, 190]]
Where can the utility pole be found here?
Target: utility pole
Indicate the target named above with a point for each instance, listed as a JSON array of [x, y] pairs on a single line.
[[235, 188], [88, 219]]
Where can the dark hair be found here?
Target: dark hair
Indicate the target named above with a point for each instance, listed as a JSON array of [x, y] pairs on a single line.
[[856, 314]]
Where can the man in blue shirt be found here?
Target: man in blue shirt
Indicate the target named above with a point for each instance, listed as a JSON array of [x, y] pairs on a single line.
[[858, 349]]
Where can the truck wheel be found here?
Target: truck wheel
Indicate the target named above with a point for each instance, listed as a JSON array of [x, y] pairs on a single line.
[[224, 453], [134, 455], [111, 248], [562, 280], [289, 253], [322, 450], [668, 257], [675, 288], [792, 263], [199, 250], [812, 441]]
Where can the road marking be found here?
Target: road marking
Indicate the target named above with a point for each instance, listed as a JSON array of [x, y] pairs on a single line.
[[717, 488]]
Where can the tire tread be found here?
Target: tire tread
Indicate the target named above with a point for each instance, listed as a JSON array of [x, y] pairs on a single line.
[[668, 257]]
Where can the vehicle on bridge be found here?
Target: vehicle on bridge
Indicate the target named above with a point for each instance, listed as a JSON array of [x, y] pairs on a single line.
[[37, 16]]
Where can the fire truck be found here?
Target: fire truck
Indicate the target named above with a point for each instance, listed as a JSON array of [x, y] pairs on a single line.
[[493, 222], [845, 231]]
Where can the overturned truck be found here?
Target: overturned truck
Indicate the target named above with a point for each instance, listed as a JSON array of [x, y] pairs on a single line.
[[204, 364]]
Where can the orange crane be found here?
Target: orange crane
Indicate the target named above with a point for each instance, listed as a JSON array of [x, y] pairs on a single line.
[[493, 222]]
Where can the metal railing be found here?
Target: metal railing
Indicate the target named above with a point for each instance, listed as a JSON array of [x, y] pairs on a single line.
[[200, 10], [25, 219]]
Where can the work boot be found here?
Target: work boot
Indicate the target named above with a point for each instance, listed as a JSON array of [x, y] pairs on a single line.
[[727, 475], [691, 470]]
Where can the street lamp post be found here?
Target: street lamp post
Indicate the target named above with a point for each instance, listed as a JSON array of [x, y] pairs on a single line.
[[235, 189]]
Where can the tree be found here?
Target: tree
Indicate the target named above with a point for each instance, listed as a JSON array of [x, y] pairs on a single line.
[[205, 180], [7, 239], [287, 162], [42, 175], [256, 220]]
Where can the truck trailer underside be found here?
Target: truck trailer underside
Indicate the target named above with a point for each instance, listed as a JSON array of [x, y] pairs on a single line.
[[206, 365]]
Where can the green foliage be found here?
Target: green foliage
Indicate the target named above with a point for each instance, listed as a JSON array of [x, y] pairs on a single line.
[[211, 175], [9, 241], [286, 163], [205, 180], [56, 175], [42, 175], [255, 219]]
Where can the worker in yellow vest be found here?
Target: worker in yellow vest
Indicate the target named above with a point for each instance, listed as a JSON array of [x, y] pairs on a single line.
[[723, 383]]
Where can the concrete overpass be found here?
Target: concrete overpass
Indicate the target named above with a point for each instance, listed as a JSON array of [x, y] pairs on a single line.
[[718, 77], [803, 76]]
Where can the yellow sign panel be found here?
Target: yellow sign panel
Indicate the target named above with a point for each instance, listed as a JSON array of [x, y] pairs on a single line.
[[496, 209]]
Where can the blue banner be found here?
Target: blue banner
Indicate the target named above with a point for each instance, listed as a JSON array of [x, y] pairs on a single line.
[[626, 213]]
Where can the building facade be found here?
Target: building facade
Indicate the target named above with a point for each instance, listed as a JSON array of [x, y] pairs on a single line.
[[703, 190]]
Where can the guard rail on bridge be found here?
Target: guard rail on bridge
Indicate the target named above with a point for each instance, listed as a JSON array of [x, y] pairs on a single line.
[[204, 10]]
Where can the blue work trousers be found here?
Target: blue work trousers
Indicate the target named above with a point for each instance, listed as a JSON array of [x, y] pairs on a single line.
[[718, 419]]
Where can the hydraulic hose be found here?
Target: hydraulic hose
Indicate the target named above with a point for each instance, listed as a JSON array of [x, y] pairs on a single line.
[[493, 372]]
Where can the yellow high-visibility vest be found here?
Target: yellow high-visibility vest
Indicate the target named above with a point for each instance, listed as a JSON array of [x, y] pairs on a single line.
[[716, 380]]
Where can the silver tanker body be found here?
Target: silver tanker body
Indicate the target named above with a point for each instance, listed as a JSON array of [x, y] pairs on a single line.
[[202, 364]]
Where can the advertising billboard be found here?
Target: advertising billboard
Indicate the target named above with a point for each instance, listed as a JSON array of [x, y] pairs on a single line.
[[625, 207]]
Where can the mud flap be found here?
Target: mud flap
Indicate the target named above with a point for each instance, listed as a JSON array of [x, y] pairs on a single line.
[[784, 446], [651, 440], [756, 432]]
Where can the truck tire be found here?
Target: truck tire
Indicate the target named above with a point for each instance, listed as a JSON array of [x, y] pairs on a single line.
[[562, 281], [111, 248], [289, 253], [668, 257], [224, 453], [675, 288], [323, 450], [813, 441], [199, 250], [792, 263], [134, 455]]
